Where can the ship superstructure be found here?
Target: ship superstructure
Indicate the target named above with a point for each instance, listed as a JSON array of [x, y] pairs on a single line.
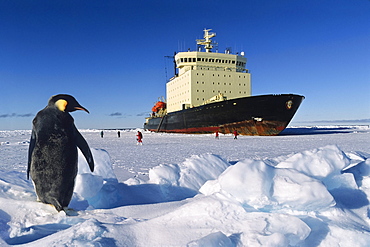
[[204, 76]]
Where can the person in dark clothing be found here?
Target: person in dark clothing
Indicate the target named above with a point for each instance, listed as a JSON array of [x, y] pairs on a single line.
[[119, 134]]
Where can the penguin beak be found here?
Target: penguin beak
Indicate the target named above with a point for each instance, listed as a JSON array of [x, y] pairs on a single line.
[[81, 108]]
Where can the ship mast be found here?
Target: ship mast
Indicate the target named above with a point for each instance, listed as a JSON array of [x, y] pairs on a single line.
[[207, 42]]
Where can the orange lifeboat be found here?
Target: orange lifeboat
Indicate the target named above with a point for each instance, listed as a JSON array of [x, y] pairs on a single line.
[[158, 106]]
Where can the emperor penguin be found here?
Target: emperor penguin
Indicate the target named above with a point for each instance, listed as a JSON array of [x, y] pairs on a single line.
[[53, 155]]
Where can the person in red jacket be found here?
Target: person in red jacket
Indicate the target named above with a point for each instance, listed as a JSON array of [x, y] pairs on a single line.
[[235, 134], [139, 138]]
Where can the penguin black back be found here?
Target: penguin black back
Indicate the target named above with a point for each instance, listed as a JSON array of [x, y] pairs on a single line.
[[53, 156]]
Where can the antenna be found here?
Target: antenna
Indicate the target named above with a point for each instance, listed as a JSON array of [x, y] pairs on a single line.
[[207, 42]]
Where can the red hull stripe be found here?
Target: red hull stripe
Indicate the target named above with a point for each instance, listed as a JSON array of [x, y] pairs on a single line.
[[191, 130]]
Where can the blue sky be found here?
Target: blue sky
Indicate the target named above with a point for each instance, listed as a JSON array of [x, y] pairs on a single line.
[[110, 55]]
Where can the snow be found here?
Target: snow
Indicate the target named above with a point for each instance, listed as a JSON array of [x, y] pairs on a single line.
[[309, 186]]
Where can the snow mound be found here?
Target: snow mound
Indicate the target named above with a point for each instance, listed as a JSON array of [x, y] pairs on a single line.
[[213, 239], [13, 186], [192, 173], [322, 163], [89, 184], [258, 185]]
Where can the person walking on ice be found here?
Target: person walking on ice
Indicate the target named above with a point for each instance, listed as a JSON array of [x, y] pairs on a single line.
[[235, 134], [139, 138]]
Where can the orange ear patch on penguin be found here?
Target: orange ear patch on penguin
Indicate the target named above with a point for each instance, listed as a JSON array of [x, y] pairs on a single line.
[[61, 104]]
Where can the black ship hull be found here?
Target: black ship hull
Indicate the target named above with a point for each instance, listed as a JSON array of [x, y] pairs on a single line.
[[264, 115]]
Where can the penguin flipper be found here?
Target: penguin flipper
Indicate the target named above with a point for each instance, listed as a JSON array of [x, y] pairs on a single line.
[[84, 147], [30, 150]]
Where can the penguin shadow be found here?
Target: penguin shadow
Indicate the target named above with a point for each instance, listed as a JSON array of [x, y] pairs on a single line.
[[30, 234], [38, 231], [41, 231]]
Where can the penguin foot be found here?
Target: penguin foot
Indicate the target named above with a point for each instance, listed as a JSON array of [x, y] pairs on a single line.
[[70, 211]]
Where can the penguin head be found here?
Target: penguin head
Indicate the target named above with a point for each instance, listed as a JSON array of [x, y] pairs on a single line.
[[65, 103]]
